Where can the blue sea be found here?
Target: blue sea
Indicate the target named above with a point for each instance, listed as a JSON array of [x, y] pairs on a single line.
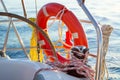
[[104, 12]]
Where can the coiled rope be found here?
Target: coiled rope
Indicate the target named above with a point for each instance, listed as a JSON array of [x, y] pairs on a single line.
[[106, 31]]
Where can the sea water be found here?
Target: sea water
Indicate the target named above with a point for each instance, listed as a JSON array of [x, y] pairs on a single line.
[[104, 12]]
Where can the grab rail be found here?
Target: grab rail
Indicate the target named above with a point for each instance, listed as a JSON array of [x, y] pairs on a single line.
[[99, 39]]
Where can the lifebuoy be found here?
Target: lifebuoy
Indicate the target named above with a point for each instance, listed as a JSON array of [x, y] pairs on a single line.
[[74, 26]]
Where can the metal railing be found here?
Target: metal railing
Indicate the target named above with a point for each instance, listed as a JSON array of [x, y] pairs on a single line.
[[99, 39]]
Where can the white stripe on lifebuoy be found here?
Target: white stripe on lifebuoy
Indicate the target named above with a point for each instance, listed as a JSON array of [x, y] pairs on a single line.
[[45, 11], [75, 35]]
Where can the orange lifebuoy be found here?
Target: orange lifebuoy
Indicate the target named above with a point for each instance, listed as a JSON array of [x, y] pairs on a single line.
[[68, 18]]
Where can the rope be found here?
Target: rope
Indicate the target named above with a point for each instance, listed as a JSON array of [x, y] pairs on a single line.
[[4, 6], [6, 39], [36, 54], [20, 40], [106, 31], [36, 7], [56, 17], [59, 25], [33, 42], [85, 21], [78, 65], [24, 10], [59, 16]]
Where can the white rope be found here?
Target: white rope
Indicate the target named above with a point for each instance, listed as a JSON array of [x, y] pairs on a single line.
[[59, 16], [59, 24], [56, 17], [60, 29], [106, 31], [24, 10], [20, 40], [36, 7], [6, 38]]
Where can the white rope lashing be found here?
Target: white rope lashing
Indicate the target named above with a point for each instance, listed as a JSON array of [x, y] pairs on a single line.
[[6, 39], [106, 31]]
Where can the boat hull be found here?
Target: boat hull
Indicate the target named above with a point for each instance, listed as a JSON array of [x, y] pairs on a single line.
[[15, 69]]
